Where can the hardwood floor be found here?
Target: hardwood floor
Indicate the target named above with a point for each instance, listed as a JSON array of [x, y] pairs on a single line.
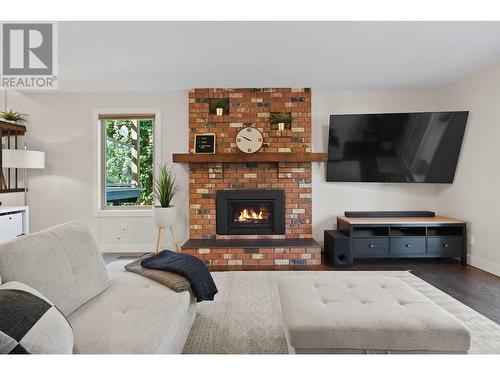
[[473, 287]]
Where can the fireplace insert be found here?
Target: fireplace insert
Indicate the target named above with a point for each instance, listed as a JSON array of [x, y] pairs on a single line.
[[250, 212]]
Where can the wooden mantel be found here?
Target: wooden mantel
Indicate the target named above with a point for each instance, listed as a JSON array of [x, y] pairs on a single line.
[[260, 157]]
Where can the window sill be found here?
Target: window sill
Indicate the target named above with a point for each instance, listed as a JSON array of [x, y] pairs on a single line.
[[147, 212]]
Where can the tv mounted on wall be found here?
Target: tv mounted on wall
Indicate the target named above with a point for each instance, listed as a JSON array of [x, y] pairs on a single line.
[[418, 147]]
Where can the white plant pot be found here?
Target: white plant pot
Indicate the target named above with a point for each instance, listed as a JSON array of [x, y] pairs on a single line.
[[10, 121], [164, 216], [219, 111], [281, 126]]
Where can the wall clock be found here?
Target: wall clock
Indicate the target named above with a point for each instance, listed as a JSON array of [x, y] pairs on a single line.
[[249, 140]]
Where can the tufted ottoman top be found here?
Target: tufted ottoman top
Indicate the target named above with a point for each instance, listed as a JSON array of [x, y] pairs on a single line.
[[365, 314]]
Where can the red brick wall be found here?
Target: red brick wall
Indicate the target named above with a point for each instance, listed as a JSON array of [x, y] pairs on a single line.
[[251, 107], [281, 256]]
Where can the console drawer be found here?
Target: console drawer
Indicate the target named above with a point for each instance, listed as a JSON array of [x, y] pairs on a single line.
[[408, 245], [370, 246], [11, 226], [446, 246]]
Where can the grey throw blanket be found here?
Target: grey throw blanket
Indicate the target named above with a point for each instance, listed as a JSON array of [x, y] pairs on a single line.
[[177, 283], [190, 267]]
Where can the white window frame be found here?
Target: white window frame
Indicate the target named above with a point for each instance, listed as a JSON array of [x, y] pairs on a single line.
[[99, 210]]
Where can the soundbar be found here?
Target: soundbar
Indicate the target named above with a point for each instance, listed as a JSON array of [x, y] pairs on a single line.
[[389, 213]]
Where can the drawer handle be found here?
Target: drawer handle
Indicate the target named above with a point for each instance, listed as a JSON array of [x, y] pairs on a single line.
[[408, 245], [445, 245], [371, 245]]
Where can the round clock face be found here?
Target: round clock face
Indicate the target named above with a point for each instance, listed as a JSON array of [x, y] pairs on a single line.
[[249, 140]]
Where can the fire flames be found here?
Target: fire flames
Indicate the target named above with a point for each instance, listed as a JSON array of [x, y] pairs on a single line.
[[250, 215]]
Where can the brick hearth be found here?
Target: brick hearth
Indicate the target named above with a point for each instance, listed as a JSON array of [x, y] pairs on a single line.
[[255, 252], [251, 107]]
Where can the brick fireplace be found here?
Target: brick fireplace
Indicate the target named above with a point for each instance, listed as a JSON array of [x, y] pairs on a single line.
[[276, 227]]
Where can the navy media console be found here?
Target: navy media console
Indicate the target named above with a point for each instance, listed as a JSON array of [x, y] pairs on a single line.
[[396, 237]]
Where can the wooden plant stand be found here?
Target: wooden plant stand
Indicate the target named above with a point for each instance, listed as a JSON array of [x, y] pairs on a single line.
[[160, 237]]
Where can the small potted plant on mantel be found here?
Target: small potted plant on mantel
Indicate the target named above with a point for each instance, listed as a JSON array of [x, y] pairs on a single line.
[[219, 106], [164, 214], [13, 117], [281, 119]]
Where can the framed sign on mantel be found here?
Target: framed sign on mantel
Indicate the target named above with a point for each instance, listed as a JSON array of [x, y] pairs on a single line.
[[204, 143]]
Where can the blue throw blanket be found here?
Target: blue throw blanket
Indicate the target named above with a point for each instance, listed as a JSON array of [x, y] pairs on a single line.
[[188, 266]]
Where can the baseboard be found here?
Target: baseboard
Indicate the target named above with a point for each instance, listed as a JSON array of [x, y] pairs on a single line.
[[131, 248], [484, 264]]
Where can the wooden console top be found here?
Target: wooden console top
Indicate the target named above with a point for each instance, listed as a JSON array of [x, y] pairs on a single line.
[[400, 220]]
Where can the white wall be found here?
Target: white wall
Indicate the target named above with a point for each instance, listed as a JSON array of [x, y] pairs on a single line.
[[61, 125], [474, 195], [333, 198], [12, 199]]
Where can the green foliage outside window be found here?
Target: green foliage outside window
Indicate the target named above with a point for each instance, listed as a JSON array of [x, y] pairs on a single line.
[[119, 158], [146, 162]]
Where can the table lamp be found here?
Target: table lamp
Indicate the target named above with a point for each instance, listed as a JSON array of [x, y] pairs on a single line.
[[23, 159]]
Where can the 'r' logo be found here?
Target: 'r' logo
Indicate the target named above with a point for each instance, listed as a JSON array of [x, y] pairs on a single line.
[[27, 49]]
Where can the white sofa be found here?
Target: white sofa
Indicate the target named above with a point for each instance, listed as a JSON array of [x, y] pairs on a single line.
[[111, 311]]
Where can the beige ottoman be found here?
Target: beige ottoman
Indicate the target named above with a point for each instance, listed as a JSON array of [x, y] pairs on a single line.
[[365, 314]]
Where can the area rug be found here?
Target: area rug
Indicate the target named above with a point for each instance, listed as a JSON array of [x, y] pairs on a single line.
[[245, 319]]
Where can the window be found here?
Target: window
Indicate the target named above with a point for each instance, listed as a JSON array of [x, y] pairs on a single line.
[[127, 160]]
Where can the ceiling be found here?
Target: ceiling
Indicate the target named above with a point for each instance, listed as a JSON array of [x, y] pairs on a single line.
[[125, 56]]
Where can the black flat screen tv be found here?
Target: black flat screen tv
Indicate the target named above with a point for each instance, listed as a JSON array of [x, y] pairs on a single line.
[[418, 147]]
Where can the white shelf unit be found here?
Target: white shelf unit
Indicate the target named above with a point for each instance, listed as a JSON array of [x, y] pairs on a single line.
[[14, 222]]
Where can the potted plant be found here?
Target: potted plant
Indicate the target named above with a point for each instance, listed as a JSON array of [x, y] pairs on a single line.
[[12, 116], [220, 105], [281, 119], [164, 191]]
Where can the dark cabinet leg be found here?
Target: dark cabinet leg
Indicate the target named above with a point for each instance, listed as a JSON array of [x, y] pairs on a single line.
[[463, 260]]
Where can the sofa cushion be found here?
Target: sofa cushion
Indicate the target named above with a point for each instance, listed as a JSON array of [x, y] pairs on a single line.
[[365, 314], [135, 315], [62, 262], [30, 323]]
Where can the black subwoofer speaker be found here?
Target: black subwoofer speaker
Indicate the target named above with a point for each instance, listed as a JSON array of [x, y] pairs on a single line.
[[338, 248]]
